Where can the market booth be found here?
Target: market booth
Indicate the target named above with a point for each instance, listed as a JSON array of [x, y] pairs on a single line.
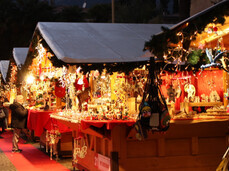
[[99, 79], [198, 83], [61, 74], [2, 76], [16, 62], [5, 90], [4, 65]]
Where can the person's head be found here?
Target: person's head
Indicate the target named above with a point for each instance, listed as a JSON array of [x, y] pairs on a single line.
[[19, 99]]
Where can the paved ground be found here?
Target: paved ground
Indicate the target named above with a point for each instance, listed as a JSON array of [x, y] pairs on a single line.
[[6, 165], [66, 161]]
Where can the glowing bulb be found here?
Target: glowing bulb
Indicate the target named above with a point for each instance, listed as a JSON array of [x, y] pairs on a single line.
[[42, 77], [30, 79]]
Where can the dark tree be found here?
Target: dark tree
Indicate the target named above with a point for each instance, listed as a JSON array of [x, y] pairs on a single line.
[[18, 20], [71, 14], [135, 11], [100, 13]]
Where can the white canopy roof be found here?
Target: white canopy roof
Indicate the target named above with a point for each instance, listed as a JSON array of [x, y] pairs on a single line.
[[4, 65], [19, 55], [98, 42]]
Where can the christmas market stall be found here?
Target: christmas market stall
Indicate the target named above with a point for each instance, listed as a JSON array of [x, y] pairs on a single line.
[[98, 76], [101, 87], [13, 67], [16, 63], [196, 56], [12, 87], [56, 83], [195, 78], [4, 65], [37, 89], [2, 76], [5, 90]]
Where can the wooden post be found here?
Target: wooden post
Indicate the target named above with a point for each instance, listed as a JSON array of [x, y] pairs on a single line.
[[114, 161], [58, 103], [113, 10], [225, 86]]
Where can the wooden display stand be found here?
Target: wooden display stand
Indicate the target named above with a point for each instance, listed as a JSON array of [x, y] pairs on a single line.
[[188, 145]]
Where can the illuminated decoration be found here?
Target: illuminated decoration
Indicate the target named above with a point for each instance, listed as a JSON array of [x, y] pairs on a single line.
[[109, 96], [213, 61], [191, 90], [13, 74], [79, 149], [204, 30], [41, 64], [30, 79], [52, 138]]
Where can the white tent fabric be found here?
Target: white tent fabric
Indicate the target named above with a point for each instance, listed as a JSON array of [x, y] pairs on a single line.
[[98, 42], [4, 65], [19, 55]]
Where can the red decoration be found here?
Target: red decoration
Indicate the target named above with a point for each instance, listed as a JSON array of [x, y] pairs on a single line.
[[80, 86], [59, 90]]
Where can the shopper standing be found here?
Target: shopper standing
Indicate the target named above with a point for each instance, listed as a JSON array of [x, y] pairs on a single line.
[[19, 121]]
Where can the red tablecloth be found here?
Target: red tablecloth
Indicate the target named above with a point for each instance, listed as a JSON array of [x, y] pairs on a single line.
[[39, 120], [109, 123]]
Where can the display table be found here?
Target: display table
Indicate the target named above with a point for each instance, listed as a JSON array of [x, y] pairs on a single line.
[[188, 145], [187, 105], [109, 124], [39, 121]]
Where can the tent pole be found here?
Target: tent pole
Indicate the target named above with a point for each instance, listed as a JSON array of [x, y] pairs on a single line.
[[113, 10]]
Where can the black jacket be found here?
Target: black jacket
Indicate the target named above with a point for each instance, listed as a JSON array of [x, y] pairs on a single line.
[[19, 115]]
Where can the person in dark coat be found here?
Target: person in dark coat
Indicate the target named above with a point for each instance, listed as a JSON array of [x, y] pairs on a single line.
[[6, 112], [2, 117], [19, 120]]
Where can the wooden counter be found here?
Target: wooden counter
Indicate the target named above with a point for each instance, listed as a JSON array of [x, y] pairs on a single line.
[[188, 145], [187, 105]]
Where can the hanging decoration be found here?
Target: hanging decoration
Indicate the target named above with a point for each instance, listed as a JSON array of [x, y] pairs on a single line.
[[213, 62], [79, 149], [212, 29], [191, 90], [153, 111], [171, 93], [13, 75], [59, 90], [52, 138]]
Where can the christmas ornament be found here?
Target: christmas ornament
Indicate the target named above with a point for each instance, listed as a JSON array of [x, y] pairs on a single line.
[[190, 89], [212, 61], [59, 90]]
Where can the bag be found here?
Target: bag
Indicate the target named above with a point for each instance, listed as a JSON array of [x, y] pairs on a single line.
[[2, 114], [153, 110]]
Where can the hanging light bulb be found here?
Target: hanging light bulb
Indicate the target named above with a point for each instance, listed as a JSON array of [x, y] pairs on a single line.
[[30, 79]]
